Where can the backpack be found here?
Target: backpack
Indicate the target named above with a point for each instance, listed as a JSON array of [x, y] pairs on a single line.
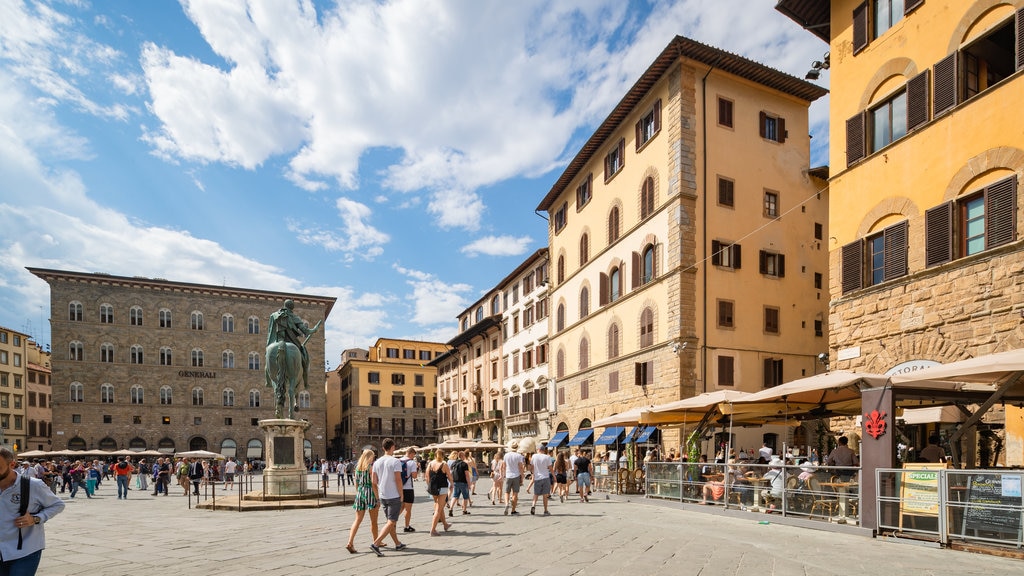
[[459, 470], [23, 504], [405, 471]]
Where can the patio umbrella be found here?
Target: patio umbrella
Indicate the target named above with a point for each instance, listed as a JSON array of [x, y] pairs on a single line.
[[823, 395], [202, 454], [630, 417], [33, 454]]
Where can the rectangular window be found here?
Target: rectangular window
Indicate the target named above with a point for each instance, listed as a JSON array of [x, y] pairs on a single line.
[[818, 280], [584, 390], [559, 220], [886, 13], [726, 374], [772, 264], [819, 231], [391, 352], [772, 372], [615, 160], [725, 254], [772, 127], [584, 192], [725, 112], [419, 401], [408, 354], [643, 373], [425, 355], [418, 380], [561, 396], [373, 377], [819, 328], [373, 426], [648, 125], [398, 400], [771, 204], [725, 311], [613, 381], [883, 256], [726, 192], [398, 426], [889, 121], [771, 320], [398, 379], [374, 399]]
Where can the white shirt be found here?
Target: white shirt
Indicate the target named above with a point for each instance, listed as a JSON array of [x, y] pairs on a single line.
[[765, 452], [411, 467], [230, 466], [384, 469], [513, 460], [541, 466]]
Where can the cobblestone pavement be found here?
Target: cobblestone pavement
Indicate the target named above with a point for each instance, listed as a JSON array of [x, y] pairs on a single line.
[[153, 535]]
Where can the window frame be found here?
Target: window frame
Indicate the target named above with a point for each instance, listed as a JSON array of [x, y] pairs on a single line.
[[615, 160], [585, 192], [649, 125], [726, 313], [726, 110]]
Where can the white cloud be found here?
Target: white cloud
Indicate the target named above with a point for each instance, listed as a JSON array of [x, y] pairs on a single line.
[[356, 237], [497, 246], [434, 302]]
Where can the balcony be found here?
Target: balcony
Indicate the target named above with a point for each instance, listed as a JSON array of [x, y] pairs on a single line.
[[483, 416], [521, 419]]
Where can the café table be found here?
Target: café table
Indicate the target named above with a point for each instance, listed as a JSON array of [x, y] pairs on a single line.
[[842, 490]]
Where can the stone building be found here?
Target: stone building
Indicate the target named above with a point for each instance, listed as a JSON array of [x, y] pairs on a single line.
[[688, 242], [926, 162], [145, 363], [39, 394], [389, 392]]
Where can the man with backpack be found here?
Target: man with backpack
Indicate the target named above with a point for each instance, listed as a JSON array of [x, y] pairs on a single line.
[[410, 471], [123, 471], [25, 504]]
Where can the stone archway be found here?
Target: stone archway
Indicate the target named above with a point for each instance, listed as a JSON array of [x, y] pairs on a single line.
[[198, 443]]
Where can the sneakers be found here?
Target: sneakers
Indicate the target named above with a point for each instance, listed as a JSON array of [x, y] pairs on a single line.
[[561, 498], [409, 529], [514, 513], [401, 546], [451, 513], [506, 509], [533, 510], [464, 512], [376, 550], [546, 513]]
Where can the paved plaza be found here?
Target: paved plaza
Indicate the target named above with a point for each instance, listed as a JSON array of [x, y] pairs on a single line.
[[621, 535]]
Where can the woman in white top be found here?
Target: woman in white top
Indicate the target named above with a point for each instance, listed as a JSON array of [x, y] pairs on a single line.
[[498, 478]]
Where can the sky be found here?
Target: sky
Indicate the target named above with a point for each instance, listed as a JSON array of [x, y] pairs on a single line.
[[389, 154]]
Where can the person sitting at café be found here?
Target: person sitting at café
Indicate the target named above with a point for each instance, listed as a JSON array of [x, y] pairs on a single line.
[[739, 483], [714, 486], [933, 452], [776, 481]]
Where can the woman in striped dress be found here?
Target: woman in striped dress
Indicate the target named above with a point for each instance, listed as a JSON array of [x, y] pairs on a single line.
[[365, 499]]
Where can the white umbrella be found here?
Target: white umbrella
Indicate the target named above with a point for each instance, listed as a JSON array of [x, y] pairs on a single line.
[[202, 454]]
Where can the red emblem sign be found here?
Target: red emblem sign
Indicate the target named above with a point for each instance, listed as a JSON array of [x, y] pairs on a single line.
[[874, 423]]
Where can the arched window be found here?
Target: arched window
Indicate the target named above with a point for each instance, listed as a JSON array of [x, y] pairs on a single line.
[[646, 328], [647, 198], [228, 448], [254, 398], [136, 354], [227, 323], [135, 316], [584, 353], [254, 361], [479, 313], [107, 393], [229, 397], [254, 449], [106, 352], [254, 325], [197, 357], [560, 317], [165, 395], [615, 284], [75, 311], [561, 269], [613, 341], [197, 396], [76, 351], [196, 320], [613, 225], [77, 392], [560, 363], [106, 314], [165, 318], [465, 323], [584, 248], [303, 399], [137, 394], [648, 264], [227, 359], [165, 356], [495, 305], [584, 302]]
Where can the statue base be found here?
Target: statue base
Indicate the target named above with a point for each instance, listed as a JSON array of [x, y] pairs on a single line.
[[285, 473]]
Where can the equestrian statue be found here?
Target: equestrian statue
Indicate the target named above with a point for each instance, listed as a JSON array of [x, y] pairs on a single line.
[[287, 359]]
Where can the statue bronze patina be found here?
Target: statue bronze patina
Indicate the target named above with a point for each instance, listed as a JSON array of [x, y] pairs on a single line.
[[287, 358]]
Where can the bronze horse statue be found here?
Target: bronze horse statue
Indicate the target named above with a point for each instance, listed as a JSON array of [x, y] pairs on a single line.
[[283, 371]]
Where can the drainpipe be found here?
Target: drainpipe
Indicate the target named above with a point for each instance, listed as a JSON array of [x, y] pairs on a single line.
[[704, 220]]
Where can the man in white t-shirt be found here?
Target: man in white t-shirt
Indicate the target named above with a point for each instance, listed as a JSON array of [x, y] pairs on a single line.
[[412, 470], [765, 452], [514, 468], [387, 487], [541, 464], [230, 467]]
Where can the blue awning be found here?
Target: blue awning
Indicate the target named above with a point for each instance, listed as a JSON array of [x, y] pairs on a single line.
[[557, 439], [631, 437], [582, 437], [646, 434], [610, 435]]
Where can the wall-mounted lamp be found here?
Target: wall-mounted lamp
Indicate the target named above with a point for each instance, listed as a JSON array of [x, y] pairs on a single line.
[[817, 66], [678, 347], [823, 358]]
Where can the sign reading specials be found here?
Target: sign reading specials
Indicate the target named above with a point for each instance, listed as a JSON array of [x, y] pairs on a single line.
[[911, 366]]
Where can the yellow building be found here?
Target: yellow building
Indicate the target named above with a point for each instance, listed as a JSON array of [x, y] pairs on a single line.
[[40, 394], [390, 392], [687, 241], [13, 371], [927, 153]]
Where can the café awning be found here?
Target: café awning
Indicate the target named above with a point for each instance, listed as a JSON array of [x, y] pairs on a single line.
[[582, 437], [610, 436], [645, 434], [558, 439]]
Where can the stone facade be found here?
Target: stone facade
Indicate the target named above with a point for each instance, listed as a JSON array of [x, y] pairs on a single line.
[[115, 388]]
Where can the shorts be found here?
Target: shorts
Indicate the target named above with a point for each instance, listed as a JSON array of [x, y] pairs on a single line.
[[461, 490], [229, 476], [408, 496], [513, 484], [561, 479], [583, 479], [392, 507], [542, 486]]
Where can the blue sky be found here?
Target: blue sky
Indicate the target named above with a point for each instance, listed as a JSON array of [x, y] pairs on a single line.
[[389, 154]]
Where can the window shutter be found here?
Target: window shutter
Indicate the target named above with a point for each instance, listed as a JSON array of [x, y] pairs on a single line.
[[716, 253], [938, 234], [895, 251], [780, 261], [603, 291], [736, 256], [622, 153], [622, 281], [1000, 212], [860, 27], [762, 256], [944, 90], [762, 119], [639, 133], [917, 100], [657, 114], [636, 270], [855, 138], [1020, 38], [911, 5], [767, 373], [607, 168], [781, 128], [852, 270]]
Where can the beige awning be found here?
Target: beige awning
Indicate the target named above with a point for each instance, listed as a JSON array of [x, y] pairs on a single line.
[[932, 415]]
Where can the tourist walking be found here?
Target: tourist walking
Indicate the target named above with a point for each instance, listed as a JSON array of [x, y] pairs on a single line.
[[497, 478], [584, 472], [22, 537], [515, 465], [387, 485], [365, 499], [122, 474], [410, 471], [541, 464], [461, 475], [561, 470], [439, 478]]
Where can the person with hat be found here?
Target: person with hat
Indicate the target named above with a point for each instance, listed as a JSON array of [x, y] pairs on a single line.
[[515, 467], [776, 479]]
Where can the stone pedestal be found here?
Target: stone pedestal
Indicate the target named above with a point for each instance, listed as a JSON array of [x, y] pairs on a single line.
[[285, 474]]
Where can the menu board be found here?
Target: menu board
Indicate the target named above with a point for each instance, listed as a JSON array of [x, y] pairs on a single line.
[[984, 493]]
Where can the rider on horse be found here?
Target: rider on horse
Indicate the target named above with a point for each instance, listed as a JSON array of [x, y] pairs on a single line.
[[285, 326]]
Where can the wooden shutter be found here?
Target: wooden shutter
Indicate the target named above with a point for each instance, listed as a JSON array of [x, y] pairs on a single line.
[[917, 100], [622, 153], [768, 373], [944, 89], [762, 257], [852, 267], [762, 119], [622, 281], [911, 5], [607, 167], [1000, 212], [639, 133], [1020, 38], [855, 140], [894, 257], [938, 234], [860, 27], [602, 297], [716, 253], [780, 265], [736, 256], [780, 130], [636, 270], [657, 114]]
